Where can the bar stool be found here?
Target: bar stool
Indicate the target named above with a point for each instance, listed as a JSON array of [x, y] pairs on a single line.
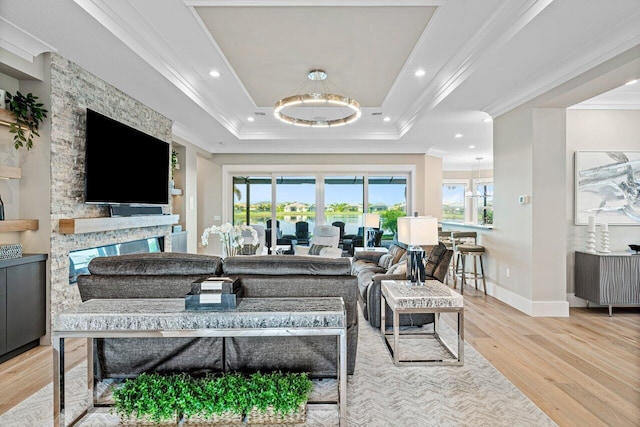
[[465, 245], [447, 241]]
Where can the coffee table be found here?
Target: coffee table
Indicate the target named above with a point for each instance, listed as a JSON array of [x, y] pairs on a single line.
[[432, 297]]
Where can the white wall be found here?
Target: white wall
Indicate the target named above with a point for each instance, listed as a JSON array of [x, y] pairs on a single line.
[[616, 130]]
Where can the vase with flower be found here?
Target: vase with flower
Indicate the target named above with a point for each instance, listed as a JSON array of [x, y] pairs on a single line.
[[232, 238]]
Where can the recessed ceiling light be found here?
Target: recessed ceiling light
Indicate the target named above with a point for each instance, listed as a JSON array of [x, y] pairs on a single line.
[[457, 135], [487, 119], [387, 119], [214, 73], [251, 119], [420, 73], [631, 82], [472, 146]]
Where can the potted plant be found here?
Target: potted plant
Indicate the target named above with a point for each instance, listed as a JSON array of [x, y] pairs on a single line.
[[214, 399], [29, 114]]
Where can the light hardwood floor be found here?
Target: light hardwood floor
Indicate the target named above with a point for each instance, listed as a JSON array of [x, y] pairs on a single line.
[[583, 370]]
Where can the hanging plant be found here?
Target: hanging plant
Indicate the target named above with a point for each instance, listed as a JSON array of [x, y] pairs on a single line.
[[174, 161], [29, 114]]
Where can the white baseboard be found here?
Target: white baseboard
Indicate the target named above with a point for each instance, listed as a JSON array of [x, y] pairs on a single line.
[[527, 306]]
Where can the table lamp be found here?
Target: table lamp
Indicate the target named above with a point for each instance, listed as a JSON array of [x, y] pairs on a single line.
[[370, 220], [415, 231]]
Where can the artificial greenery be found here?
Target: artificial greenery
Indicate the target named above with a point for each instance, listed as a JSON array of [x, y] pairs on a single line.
[[29, 114], [167, 397]]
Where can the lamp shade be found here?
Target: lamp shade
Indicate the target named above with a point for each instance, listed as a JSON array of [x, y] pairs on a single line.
[[418, 230], [371, 220]]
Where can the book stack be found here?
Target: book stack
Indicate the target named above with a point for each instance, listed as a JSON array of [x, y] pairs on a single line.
[[214, 293]]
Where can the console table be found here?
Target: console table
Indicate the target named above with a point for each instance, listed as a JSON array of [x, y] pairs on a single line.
[[254, 317], [608, 279]]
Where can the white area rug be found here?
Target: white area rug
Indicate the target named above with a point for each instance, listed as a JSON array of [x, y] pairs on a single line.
[[379, 394]]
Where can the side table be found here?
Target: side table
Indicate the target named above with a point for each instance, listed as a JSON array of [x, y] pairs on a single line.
[[433, 297]]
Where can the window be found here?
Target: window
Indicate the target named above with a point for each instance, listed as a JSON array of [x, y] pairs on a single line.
[[484, 203], [251, 200], [255, 194], [344, 201], [388, 197], [453, 201]]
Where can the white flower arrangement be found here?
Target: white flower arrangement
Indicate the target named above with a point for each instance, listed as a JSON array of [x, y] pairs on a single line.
[[231, 237]]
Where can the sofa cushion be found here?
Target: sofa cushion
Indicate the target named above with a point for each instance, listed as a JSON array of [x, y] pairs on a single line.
[[399, 268], [315, 249], [364, 265], [385, 261], [156, 264], [365, 279], [396, 252], [290, 264], [434, 258]]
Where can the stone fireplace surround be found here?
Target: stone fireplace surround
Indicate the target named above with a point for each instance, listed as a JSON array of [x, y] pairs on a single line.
[[72, 91]]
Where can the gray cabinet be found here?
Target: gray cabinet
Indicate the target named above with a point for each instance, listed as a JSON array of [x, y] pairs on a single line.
[[608, 279], [22, 304]]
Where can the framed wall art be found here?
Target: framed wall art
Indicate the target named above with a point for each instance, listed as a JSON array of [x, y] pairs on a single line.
[[607, 186]]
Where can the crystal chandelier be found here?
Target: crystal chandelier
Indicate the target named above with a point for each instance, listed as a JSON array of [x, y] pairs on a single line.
[[321, 96]]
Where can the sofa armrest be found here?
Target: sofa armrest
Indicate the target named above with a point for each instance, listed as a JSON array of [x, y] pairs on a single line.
[[373, 296], [372, 256]]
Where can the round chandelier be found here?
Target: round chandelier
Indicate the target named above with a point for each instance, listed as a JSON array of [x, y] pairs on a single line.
[[349, 107]]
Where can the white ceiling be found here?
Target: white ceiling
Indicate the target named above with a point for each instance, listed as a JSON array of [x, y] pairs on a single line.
[[481, 58]]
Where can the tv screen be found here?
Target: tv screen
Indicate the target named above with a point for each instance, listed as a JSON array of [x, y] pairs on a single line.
[[124, 165]]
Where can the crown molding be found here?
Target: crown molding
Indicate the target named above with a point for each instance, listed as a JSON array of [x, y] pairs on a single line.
[[20, 43], [153, 49], [489, 37], [185, 133], [615, 42]]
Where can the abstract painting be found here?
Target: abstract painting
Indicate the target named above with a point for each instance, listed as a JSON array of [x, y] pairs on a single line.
[[608, 187]]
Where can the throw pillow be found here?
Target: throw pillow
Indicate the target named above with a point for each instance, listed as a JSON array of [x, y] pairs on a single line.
[[434, 258], [385, 261], [399, 268], [315, 249]]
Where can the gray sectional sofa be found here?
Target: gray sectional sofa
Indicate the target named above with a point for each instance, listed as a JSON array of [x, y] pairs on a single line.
[[169, 275], [371, 268]]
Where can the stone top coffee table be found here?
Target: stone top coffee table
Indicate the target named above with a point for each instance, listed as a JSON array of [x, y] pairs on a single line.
[[432, 297]]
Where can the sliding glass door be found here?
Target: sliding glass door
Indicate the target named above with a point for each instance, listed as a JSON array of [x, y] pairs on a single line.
[[295, 202], [263, 199], [252, 200], [388, 198], [344, 201]]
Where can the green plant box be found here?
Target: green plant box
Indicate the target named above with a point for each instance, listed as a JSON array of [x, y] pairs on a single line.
[[145, 421], [225, 419], [270, 416], [222, 399]]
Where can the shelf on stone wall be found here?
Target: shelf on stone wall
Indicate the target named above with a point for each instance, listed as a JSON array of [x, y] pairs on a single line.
[[6, 117], [10, 225], [92, 225], [9, 172]]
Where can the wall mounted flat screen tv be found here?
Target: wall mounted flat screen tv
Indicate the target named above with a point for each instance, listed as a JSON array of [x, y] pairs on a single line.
[[124, 165]]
